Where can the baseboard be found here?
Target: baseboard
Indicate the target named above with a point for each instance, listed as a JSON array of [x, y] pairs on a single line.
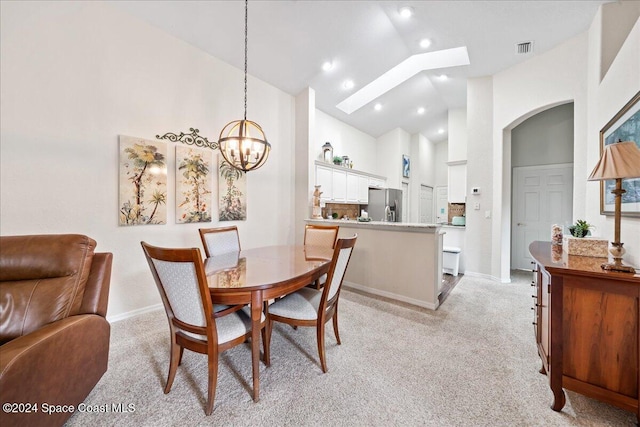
[[390, 295], [486, 276], [133, 313]]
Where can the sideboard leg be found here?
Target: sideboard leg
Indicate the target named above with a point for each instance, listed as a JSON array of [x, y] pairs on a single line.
[[542, 370], [558, 400]]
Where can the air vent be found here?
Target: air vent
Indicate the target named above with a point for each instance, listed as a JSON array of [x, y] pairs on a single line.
[[524, 48]]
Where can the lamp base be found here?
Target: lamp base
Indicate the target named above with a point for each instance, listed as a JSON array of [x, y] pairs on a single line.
[[618, 266]]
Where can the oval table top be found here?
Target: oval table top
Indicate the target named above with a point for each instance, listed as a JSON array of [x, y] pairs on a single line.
[[265, 267]]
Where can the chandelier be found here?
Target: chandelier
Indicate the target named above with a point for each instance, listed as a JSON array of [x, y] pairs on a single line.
[[243, 143]]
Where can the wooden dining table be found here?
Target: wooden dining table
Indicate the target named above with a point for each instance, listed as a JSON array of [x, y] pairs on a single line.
[[253, 276]]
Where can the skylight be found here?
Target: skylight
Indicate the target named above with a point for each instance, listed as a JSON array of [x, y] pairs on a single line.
[[402, 72]]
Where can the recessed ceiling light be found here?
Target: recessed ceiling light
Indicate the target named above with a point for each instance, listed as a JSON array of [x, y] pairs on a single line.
[[377, 107], [327, 66], [421, 110], [348, 84], [440, 131], [443, 77], [406, 11], [425, 43]]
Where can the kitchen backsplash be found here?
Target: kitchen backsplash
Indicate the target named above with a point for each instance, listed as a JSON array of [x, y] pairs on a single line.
[[351, 211]]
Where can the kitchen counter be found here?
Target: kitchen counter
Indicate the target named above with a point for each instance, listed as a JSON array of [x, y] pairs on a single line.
[[414, 227], [397, 260], [449, 225]]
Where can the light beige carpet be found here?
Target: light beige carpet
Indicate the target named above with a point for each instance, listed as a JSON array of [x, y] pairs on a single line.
[[472, 362]]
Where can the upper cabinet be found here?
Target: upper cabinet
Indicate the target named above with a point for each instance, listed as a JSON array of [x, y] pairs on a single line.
[[342, 185], [339, 186], [324, 178], [457, 181]]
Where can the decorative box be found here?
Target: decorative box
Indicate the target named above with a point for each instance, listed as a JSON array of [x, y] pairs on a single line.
[[586, 246]]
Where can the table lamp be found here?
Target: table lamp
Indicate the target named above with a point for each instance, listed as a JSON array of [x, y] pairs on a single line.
[[620, 160]]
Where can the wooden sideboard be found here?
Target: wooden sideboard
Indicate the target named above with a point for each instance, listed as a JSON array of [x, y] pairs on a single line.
[[587, 327]]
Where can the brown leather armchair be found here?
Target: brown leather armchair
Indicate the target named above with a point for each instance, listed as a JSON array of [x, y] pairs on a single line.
[[54, 337]]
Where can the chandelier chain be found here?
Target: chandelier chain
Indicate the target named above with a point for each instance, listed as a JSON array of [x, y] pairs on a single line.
[[246, 26]]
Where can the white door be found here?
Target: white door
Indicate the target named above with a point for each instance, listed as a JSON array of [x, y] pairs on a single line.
[[405, 202], [442, 204], [426, 204], [542, 196]]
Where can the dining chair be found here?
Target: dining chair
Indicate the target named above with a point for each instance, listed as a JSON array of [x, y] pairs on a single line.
[[195, 323], [320, 235], [220, 240], [311, 307]]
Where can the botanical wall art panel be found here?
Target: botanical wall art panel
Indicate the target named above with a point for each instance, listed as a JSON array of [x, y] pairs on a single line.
[[232, 194], [195, 172], [143, 181]]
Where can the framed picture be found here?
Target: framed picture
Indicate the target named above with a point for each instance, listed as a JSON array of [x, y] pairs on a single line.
[[406, 166], [625, 126], [142, 182], [195, 168], [232, 193]]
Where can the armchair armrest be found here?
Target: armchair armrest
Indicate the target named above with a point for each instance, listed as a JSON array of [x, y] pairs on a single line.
[[96, 293], [58, 364]]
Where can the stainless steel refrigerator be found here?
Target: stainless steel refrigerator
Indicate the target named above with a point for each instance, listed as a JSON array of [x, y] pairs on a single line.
[[385, 204]]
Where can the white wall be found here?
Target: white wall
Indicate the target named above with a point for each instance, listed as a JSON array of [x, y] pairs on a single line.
[[390, 147], [305, 109], [544, 139], [480, 173], [545, 81], [606, 98], [74, 77], [346, 141], [458, 134], [441, 154]]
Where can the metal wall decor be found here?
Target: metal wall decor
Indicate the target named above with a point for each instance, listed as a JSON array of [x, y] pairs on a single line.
[[190, 139]]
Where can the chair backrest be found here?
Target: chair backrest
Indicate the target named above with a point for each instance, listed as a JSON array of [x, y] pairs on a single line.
[[220, 240], [338, 268], [321, 235], [43, 279], [182, 283]]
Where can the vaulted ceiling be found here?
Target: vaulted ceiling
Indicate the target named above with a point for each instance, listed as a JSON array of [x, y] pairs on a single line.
[[289, 41]]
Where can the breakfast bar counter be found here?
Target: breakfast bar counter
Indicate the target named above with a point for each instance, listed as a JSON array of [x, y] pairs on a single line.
[[402, 261]]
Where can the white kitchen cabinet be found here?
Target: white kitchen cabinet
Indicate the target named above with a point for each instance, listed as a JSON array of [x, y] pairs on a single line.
[[352, 187], [457, 182], [324, 178], [342, 185], [339, 183], [377, 182], [363, 189]]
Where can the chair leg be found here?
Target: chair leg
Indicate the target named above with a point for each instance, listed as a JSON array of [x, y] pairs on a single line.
[[213, 380], [335, 326], [174, 361], [265, 347], [180, 358], [269, 329], [320, 332]]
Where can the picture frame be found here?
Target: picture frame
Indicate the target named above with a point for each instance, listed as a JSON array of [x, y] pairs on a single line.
[[195, 168], [142, 182], [624, 126], [406, 166]]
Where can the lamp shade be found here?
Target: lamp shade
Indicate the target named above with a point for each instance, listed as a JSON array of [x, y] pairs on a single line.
[[618, 160]]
